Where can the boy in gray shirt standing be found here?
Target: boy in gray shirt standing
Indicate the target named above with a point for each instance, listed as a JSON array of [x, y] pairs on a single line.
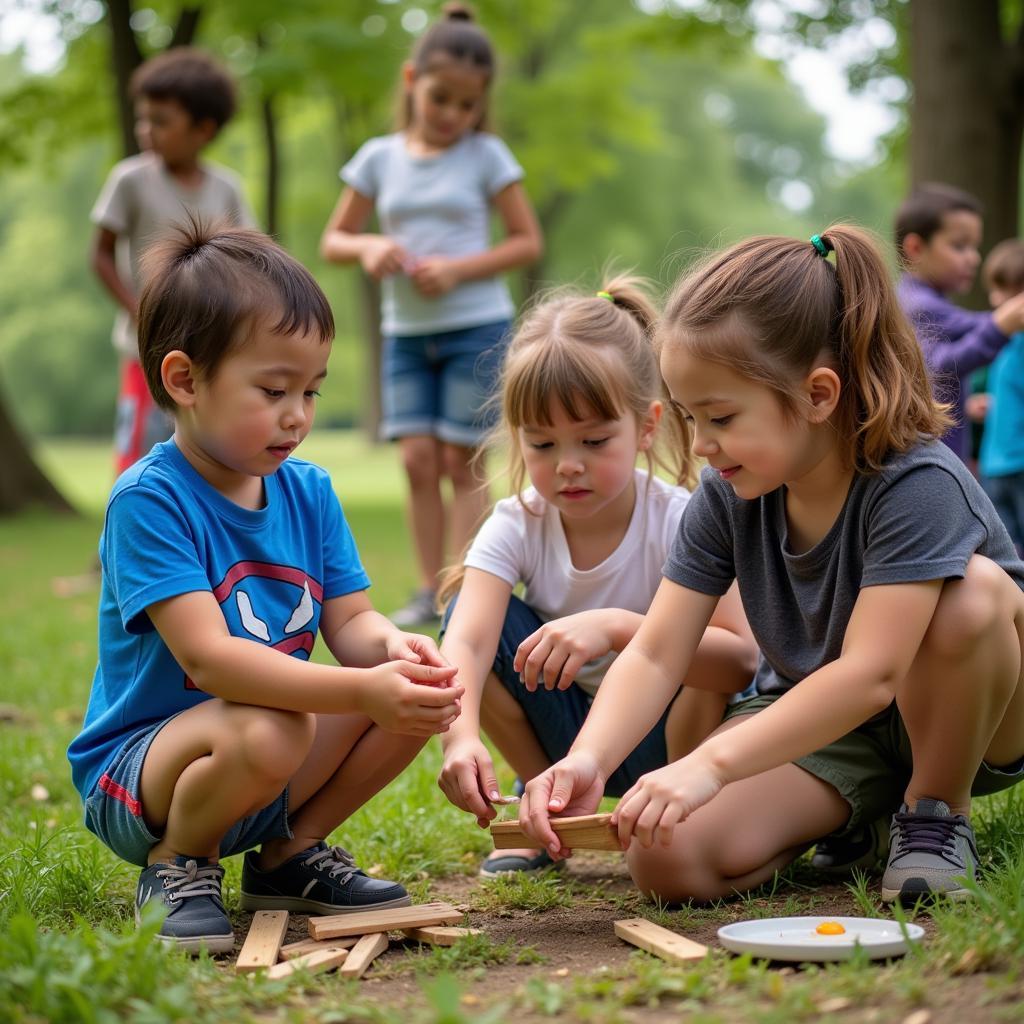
[[182, 100]]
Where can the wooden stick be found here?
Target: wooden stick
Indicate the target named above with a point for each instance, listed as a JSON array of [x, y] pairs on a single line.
[[263, 941], [365, 922], [588, 832], [301, 948], [438, 936], [659, 941], [313, 963], [362, 954]]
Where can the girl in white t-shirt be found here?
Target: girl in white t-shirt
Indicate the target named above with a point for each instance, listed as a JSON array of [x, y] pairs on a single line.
[[581, 399]]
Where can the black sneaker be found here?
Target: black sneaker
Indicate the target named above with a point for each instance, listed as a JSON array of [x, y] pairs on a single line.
[[190, 890], [864, 849], [932, 851], [321, 880]]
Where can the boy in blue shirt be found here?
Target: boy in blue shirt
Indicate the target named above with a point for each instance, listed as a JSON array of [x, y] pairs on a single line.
[[1002, 445], [208, 730]]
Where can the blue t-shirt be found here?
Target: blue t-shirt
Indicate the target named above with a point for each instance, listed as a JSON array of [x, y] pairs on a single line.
[[168, 532], [1002, 444], [436, 206]]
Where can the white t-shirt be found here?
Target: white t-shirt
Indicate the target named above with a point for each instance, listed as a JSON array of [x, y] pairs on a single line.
[[517, 545]]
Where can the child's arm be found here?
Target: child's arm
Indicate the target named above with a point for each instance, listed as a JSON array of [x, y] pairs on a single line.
[[344, 239], [960, 340], [522, 244], [401, 696], [467, 777], [104, 249]]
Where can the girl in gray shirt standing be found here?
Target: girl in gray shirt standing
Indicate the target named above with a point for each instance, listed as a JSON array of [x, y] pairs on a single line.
[[445, 313], [880, 585]]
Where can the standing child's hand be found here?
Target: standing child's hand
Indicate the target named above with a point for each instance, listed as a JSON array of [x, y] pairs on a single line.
[[382, 256], [555, 653], [661, 799], [433, 276], [412, 699], [571, 786]]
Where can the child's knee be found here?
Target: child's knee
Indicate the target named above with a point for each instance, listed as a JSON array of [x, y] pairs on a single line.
[[684, 871], [457, 466], [274, 743], [968, 609], [420, 459]]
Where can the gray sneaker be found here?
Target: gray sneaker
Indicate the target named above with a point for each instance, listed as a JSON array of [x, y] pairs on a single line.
[[931, 851], [190, 890], [865, 849], [420, 610]]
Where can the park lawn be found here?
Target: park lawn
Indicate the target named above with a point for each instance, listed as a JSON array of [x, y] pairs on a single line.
[[69, 950]]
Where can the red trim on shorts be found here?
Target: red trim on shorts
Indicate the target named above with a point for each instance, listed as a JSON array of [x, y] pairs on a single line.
[[111, 788]]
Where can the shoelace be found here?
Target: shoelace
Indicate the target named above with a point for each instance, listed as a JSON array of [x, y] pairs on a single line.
[[340, 862], [181, 883], [925, 833]]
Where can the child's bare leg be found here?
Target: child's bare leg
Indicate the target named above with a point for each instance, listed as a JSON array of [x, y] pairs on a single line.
[[421, 459], [750, 830], [351, 760], [213, 764], [963, 699], [469, 492], [693, 717]]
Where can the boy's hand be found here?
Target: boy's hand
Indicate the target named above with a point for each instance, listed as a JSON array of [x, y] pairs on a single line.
[[382, 256], [415, 700], [977, 406], [414, 647], [434, 276], [555, 653], [468, 778], [572, 786], [660, 800], [1009, 317]]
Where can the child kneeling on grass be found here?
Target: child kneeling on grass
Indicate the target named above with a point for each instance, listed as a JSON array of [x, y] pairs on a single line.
[[208, 731]]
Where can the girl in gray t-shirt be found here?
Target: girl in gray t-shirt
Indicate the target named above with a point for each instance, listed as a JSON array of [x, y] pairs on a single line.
[[883, 591]]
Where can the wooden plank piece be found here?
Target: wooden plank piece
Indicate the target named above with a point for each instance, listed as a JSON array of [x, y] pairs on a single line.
[[440, 936], [312, 963], [395, 918], [362, 954], [587, 832], [294, 949], [263, 941], [659, 941]]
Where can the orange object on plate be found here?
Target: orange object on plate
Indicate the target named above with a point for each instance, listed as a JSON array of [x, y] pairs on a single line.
[[830, 928]]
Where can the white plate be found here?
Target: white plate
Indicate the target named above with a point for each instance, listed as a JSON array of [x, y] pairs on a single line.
[[795, 938]]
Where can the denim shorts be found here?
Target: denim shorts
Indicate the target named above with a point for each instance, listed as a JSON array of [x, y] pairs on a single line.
[[438, 385], [114, 810], [1007, 494], [871, 766], [556, 716]]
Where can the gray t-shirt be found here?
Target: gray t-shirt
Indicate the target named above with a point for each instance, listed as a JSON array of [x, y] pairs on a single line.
[[920, 518], [436, 206], [141, 200]]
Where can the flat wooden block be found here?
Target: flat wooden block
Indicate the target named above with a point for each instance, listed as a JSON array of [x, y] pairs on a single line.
[[440, 936], [659, 941], [362, 954], [395, 918], [588, 832], [294, 949], [317, 962], [263, 941]]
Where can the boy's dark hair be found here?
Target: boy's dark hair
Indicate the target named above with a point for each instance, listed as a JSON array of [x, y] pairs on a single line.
[[193, 79], [208, 286], [922, 212], [1004, 266]]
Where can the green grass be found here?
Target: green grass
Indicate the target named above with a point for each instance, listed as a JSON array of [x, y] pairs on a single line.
[[69, 949]]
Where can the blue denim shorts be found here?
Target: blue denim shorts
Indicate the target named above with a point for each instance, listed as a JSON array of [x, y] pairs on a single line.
[[114, 810], [556, 716], [438, 385]]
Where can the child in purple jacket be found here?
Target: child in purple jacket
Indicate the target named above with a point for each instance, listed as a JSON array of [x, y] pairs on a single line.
[[938, 235]]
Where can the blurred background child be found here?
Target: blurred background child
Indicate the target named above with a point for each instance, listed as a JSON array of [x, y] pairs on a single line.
[[445, 313]]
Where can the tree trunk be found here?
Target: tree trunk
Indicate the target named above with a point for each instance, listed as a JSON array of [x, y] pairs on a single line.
[[22, 483], [966, 113]]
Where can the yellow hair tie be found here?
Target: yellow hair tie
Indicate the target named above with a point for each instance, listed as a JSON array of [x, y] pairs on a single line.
[[605, 295]]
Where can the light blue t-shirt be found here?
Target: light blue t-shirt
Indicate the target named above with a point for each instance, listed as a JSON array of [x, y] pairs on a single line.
[[436, 206], [168, 532], [1002, 444]]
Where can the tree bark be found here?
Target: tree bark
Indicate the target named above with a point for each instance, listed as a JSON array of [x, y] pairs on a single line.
[[967, 109]]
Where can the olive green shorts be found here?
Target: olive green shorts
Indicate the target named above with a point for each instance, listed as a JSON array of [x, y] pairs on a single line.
[[871, 766]]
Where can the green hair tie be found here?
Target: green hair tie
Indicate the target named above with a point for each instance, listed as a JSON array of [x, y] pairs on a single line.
[[605, 295], [822, 245]]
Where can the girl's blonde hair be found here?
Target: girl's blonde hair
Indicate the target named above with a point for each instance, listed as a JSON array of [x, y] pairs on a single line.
[[593, 354], [770, 307], [453, 38]]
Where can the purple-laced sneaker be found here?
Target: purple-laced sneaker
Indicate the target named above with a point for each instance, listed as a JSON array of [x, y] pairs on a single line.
[[931, 852]]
